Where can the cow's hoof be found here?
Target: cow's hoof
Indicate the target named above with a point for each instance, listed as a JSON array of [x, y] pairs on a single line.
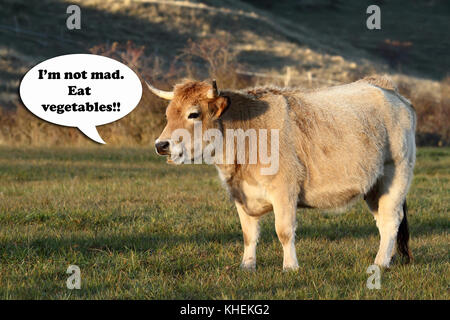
[[382, 263], [249, 266], [289, 268]]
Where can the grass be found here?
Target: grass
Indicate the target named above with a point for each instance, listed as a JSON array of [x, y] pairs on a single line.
[[141, 229]]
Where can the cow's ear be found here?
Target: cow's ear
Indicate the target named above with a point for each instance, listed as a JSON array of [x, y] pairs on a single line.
[[219, 106]]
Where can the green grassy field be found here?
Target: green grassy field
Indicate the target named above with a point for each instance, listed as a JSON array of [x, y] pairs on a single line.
[[139, 228]]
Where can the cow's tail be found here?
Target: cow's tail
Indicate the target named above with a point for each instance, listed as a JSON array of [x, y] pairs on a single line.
[[403, 236]]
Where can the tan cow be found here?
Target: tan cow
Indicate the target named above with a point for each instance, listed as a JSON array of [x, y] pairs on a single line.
[[335, 144]]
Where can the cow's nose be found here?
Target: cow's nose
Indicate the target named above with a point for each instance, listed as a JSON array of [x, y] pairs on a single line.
[[162, 147]]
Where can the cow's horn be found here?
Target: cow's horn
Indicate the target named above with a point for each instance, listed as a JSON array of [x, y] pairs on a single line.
[[168, 95], [213, 93]]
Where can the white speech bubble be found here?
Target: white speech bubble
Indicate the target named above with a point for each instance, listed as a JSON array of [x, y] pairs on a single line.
[[81, 90]]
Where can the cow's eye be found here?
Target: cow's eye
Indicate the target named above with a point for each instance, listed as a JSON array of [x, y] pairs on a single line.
[[193, 115]]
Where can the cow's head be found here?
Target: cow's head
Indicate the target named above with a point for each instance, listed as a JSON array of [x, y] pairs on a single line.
[[191, 103]]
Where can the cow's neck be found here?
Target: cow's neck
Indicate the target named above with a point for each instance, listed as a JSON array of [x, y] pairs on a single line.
[[228, 170], [241, 114]]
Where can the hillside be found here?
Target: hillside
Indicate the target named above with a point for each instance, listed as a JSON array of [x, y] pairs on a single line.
[[307, 43]]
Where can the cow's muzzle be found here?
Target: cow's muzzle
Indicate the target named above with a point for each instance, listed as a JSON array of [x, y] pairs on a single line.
[[162, 147]]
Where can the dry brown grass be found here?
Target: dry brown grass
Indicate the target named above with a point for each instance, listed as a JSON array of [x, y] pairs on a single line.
[[394, 51], [142, 126], [433, 111]]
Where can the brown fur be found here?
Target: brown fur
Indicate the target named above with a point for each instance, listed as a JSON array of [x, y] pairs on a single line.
[[335, 144], [382, 82]]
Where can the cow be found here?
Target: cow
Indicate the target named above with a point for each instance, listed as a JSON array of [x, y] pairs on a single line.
[[336, 144]]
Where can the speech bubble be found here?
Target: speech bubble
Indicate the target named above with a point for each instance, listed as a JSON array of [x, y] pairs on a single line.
[[81, 90]]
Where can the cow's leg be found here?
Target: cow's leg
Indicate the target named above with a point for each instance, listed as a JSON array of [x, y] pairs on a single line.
[[285, 224], [250, 229], [392, 189], [372, 198]]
